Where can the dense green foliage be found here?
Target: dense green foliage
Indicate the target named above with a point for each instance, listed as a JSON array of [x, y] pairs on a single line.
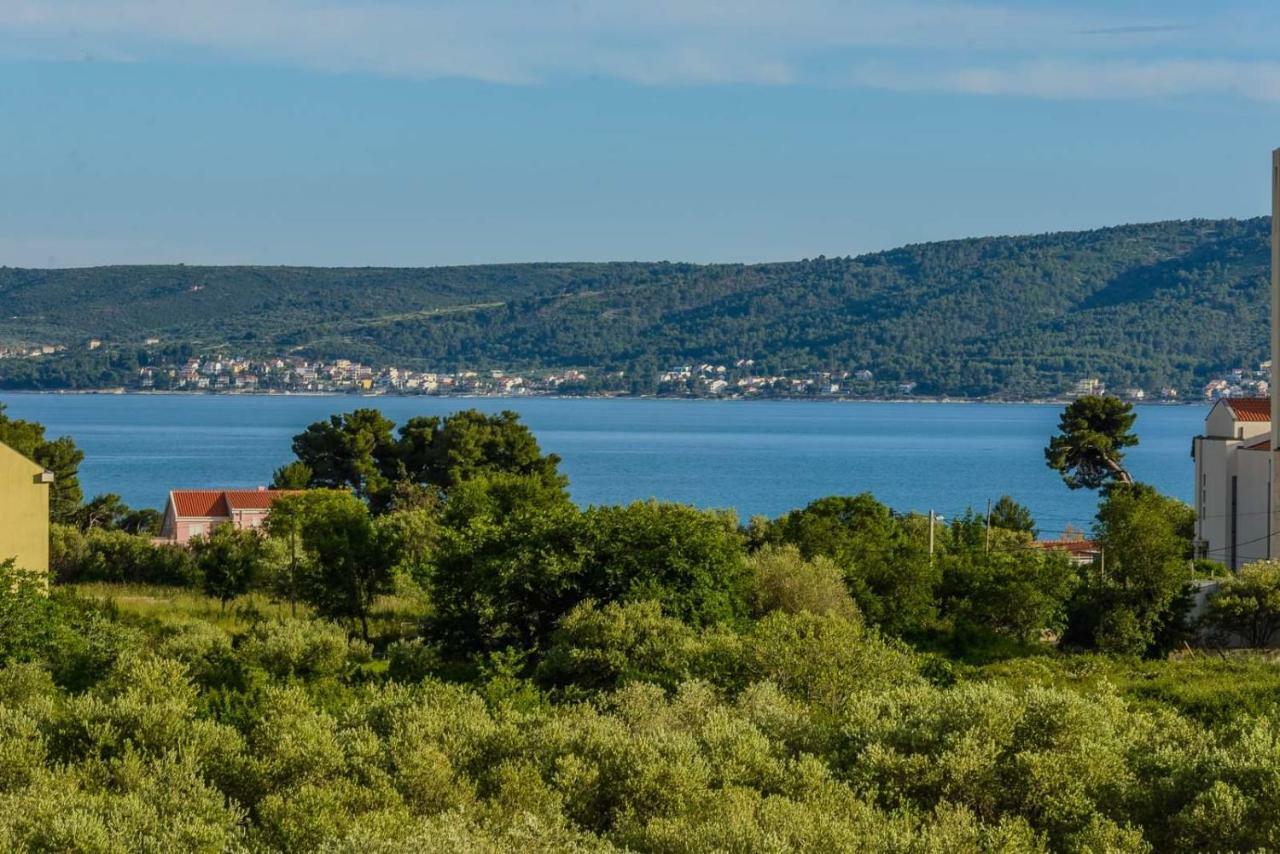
[[477, 664], [1246, 608], [798, 731], [884, 558], [1132, 600], [1088, 450], [1012, 516], [357, 451], [1145, 305], [110, 512], [229, 561], [105, 554]]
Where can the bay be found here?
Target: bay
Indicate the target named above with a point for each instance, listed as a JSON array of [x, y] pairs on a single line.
[[757, 457]]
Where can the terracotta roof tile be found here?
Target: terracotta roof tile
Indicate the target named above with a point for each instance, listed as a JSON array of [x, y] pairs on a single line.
[[199, 502], [1249, 408], [1072, 546], [206, 503], [254, 499]]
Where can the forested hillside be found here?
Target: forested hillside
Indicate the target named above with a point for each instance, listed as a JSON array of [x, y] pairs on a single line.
[[1148, 305]]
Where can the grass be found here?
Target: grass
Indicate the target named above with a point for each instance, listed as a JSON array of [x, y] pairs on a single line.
[[393, 617], [1212, 689]]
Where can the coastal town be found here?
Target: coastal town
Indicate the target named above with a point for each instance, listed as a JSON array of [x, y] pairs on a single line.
[[242, 373], [159, 370]]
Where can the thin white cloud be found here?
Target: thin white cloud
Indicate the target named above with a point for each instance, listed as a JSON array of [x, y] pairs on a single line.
[[1094, 80], [995, 47]]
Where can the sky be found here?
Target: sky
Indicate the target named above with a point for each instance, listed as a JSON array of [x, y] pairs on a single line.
[[361, 132]]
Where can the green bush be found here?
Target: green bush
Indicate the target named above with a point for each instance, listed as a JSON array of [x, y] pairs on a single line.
[[113, 555], [597, 647], [288, 648], [782, 580]]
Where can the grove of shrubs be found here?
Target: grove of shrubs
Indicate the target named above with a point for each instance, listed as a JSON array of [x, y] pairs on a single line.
[[441, 652]]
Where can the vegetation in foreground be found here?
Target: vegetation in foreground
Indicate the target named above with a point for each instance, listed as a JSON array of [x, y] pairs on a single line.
[[432, 649]]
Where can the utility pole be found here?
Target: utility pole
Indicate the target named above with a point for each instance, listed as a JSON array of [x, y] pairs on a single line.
[[988, 546], [932, 517]]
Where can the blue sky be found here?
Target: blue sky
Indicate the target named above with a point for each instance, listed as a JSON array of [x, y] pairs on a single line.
[[363, 132]]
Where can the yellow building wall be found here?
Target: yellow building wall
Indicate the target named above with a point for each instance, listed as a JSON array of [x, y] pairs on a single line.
[[24, 512]]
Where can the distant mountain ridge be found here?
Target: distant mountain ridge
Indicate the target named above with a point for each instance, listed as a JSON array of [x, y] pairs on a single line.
[[1148, 305]]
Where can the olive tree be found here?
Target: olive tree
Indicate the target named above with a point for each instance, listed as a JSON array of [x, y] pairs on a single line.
[[1247, 605]]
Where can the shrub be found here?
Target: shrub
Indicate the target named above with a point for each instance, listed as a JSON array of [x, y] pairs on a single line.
[[412, 660], [822, 659], [603, 647], [206, 652], [110, 555], [1246, 607], [782, 580], [28, 619], [289, 648]]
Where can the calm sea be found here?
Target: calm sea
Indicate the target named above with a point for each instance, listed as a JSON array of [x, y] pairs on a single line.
[[758, 457]]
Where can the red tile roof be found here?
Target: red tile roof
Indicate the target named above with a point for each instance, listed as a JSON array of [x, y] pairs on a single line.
[[1075, 547], [1249, 408], [254, 499], [1263, 444], [199, 502], [204, 503]]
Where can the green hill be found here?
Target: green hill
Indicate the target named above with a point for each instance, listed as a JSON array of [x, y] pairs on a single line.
[[1155, 304]]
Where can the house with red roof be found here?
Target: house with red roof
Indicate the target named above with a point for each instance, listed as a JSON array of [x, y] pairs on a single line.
[[195, 512], [1233, 482], [1079, 551]]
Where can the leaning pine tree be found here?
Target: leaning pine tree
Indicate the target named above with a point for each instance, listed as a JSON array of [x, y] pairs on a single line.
[[1089, 449]]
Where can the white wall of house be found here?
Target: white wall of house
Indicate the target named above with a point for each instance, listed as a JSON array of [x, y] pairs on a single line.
[[1253, 491], [1233, 487], [1213, 494], [1221, 423]]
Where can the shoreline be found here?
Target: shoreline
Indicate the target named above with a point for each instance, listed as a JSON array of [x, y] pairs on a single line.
[[1031, 401]]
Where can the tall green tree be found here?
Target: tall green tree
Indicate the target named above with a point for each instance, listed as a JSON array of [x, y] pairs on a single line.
[[884, 558], [109, 512], [509, 564], [229, 561], [1129, 597], [690, 561], [1009, 590], [102, 511], [1088, 450], [294, 475], [443, 452], [1012, 516], [284, 524], [358, 451], [348, 451], [349, 565], [60, 456]]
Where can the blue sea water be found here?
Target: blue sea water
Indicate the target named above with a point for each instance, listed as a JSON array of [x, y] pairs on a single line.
[[758, 457]]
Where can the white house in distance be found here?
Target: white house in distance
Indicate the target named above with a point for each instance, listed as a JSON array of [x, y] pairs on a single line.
[[1233, 481]]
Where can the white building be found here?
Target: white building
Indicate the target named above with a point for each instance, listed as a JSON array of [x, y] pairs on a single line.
[[1237, 492], [1233, 481]]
